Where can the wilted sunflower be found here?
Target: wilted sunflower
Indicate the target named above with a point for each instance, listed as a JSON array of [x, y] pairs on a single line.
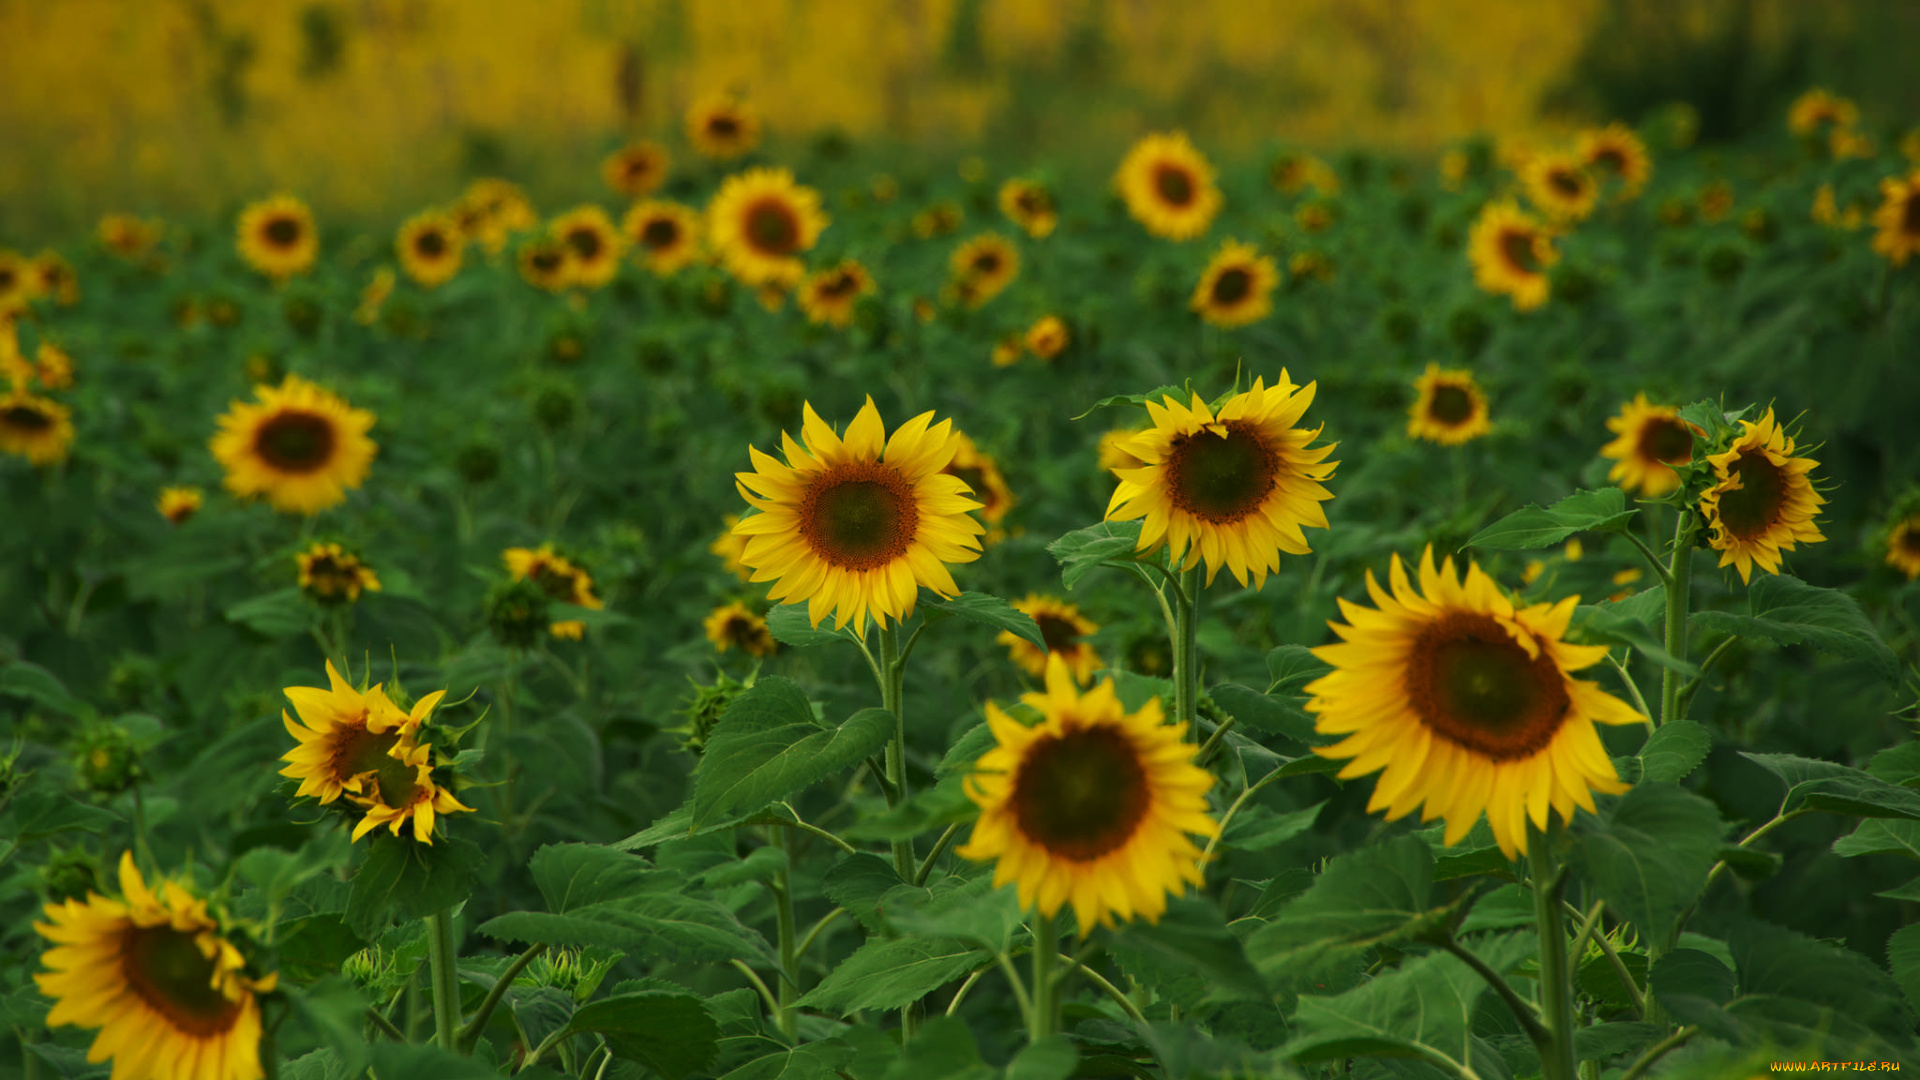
[[736, 625], [636, 170], [491, 210], [1048, 337], [1560, 185], [1065, 631], [829, 296], [1468, 704], [546, 263], [1236, 287], [1818, 112], [1232, 488], [1903, 546], [153, 972], [1028, 204], [276, 237], [760, 222], [57, 278], [301, 446], [1091, 807], [127, 236], [177, 504], [36, 428], [1764, 502], [1510, 252], [333, 575], [560, 578], [595, 245], [855, 525], [722, 127], [1450, 408], [665, 234], [983, 267], [1615, 151], [1168, 187], [1898, 218], [430, 246], [981, 473], [1652, 439]]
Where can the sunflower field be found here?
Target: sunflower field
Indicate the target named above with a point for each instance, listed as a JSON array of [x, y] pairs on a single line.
[[805, 616]]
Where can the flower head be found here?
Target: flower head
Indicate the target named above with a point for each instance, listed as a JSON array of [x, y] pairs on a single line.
[[300, 446], [1763, 501]]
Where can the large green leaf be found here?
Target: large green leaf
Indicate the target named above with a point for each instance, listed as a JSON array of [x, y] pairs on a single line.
[[400, 1061], [943, 1049], [1674, 750], [789, 625], [1881, 836], [1083, 551], [418, 879], [966, 910], [988, 611], [1615, 624], [1837, 789], [1188, 956], [1772, 960], [1787, 611], [1648, 854], [1267, 714], [886, 974], [808, 1061], [857, 883], [1380, 895], [277, 614], [673, 1034], [768, 744], [35, 683], [1903, 957], [1604, 510], [1257, 828]]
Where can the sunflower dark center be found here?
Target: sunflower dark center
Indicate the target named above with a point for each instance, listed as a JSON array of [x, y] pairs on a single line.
[[772, 227], [726, 127], [1910, 538], [282, 231], [1565, 182], [164, 969], [1910, 216], [659, 233], [859, 515], [1611, 157], [333, 577], [1032, 201], [986, 263], [1222, 478], [547, 260], [296, 442], [1174, 184], [741, 631], [1060, 634], [431, 244], [1752, 510], [1232, 286], [585, 243], [1081, 794], [1517, 247], [839, 286], [386, 779], [555, 582], [25, 418], [1667, 440], [1451, 405], [8, 278], [1471, 683]]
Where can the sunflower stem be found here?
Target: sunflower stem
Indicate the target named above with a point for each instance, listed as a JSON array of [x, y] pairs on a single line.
[[1186, 674], [1046, 955], [892, 683], [1678, 579], [784, 1017], [1556, 990], [442, 955], [470, 1032]]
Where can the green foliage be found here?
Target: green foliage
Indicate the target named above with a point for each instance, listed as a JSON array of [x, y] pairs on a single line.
[[769, 744], [1604, 510], [1648, 854], [1783, 610]]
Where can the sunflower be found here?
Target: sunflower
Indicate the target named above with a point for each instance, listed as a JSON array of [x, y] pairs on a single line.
[[983, 267], [1652, 439], [1818, 111], [53, 367], [1510, 252], [301, 446], [1028, 204], [1048, 337], [666, 234], [1232, 487], [56, 278], [760, 221], [1903, 546], [36, 428], [332, 575], [981, 473], [1467, 702], [596, 246], [636, 170], [153, 972], [1065, 631], [937, 220], [560, 578], [491, 210], [1092, 806], [127, 236], [18, 283], [1560, 185], [1764, 502], [1450, 409], [1168, 187], [730, 545], [374, 296], [1898, 218], [1615, 151], [1291, 173], [1827, 212], [177, 504], [854, 525], [546, 263], [722, 127], [1235, 287], [1113, 453], [829, 295], [736, 625], [430, 246], [1008, 350], [277, 237]]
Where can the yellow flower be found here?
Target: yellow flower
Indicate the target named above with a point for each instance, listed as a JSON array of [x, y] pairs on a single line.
[[1168, 187], [1652, 439], [492, 210], [937, 220], [735, 625], [981, 473], [560, 578], [177, 504], [546, 263], [277, 237], [332, 575], [53, 367], [1898, 218], [1291, 173], [1615, 151], [1903, 546], [1232, 488], [729, 545], [829, 296], [636, 170], [1560, 186], [760, 222], [1818, 111], [1028, 204], [854, 526], [1454, 166], [983, 267], [1844, 144], [1450, 409], [301, 446], [1091, 807], [430, 246], [18, 284], [1468, 704], [153, 972], [56, 278], [1510, 253], [1826, 210], [1048, 337], [1008, 350], [1236, 287], [374, 296], [595, 245], [722, 127], [665, 234], [36, 428], [1764, 502], [1113, 452], [127, 236], [1065, 631]]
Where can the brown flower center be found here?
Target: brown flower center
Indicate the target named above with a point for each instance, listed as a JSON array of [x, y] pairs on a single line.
[[386, 779], [556, 581], [859, 515], [723, 126], [772, 227], [1451, 405], [1061, 634], [546, 261], [9, 277], [1517, 247], [986, 263], [164, 968], [1910, 217], [585, 242], [1472, 684], [1233, 285], [1222, 478], [330, 577], [25, 418], [430, 244], [1566, 182], [839, 286], [1667, 440], [1081, 794], [281, 232], [659, 233], [1032, 201], [1752, 510], [1910, 537], [296, 442], [1174, 184], [1611, 158]]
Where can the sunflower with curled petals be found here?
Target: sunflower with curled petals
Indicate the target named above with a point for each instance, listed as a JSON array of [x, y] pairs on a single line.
[[1763, 501], [277, 237], [854, 525], [430, 248], [1449, 407], [1510, 251], [592, 242], [1903, 546], [1652, 440], [828, 297], [1064, 630], [1168, 187], [1465, 704], [1236, 287], [1028, 204], [1617, 153], [722, 127], [560, 578], [154, 972], [1231, 488], [1898, 219], [664, 234], [33, 427], [1093, 806], [636, 170], [760, 222], [300, 446]]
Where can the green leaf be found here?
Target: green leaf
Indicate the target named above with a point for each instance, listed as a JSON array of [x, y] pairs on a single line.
[[1083, 551], [1609, 624], [400, 1061], [1266, 714], [808, 1061], [789, 625], [419, 879], [1897, 764], [1648, 854], [678, 825], [937, 807], [1773, 961], [1903, 957], [1381, 895], [1189, 956], [1787, 611], [37, 813], [1707, 416], [277, 614], [1604, 510], [768, 745], [1257, 828], [575, 875], [943, 1049], [1052, 1058], [987, 611], [971, 911], [886, 974], [1881, 836], [1690, 973], [857, 883], [1837, 789], [1291, 667], [673, 1034], [1598, 979], [1180, 395], [37, 684], [333, 1009], [1674, 750]]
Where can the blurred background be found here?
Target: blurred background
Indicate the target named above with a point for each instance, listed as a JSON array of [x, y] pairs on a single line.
[[372, 108]]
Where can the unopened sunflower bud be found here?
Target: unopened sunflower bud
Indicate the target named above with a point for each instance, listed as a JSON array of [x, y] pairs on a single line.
[[517, 612]]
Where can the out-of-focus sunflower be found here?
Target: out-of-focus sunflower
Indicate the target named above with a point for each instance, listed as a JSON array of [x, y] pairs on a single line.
[[1826, 210], [1615, 151], [981, 473], [156, 974], [18, 284], [666, 235], [829, 296], [636, 170], [276, 237], [1763, 502], [1008, 350], [1560, 186], [1232, 487], [1897, 221], [983, 267], [300, 446], [1064, 630], [1903, 546], [1291, 173], [374, 296], [722, 127], [1510, 251], [36, 428], [772, 296], [1468, 704], [1449, 407], [854, 525], [1716, 200], [760, 222], [56, 278], [430, 247], [1819, 111], [18, 371], [331, 574], [177, 504], [937, 220], [729, 545], [53, 367], [560, 578], [1048, 337], [1092, 806], [127, 236], [491, 210], [1236, 287], [1028, 204], [736, 626], [1168, 187], [546, 263], [595, 245], [1652, 439]]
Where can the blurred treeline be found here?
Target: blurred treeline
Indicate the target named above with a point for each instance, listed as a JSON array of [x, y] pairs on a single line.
[[372, 108]]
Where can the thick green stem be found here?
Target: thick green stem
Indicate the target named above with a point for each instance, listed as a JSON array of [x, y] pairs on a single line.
[[1678, 577], [1556, 986], [1186, 651], [784, 1017], [1046, 1001], [892, 685], [470, 1033], [441, 958]]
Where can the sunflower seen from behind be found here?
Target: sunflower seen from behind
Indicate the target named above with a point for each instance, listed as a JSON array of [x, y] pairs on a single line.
[[1449, 407], [277, 237], [664, 234], [1897, 221], [1064, 630], [1168, 187], [158, 974], [1029, 204], [1762, 501], [722, 127], [595, 246], [1465, 704], [1236, 287], [760, 222], [1092, 806], [36, 428], [636, 170], [853, 525], [1652, 439], [430, 248], [828, 296], [298, 445]]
